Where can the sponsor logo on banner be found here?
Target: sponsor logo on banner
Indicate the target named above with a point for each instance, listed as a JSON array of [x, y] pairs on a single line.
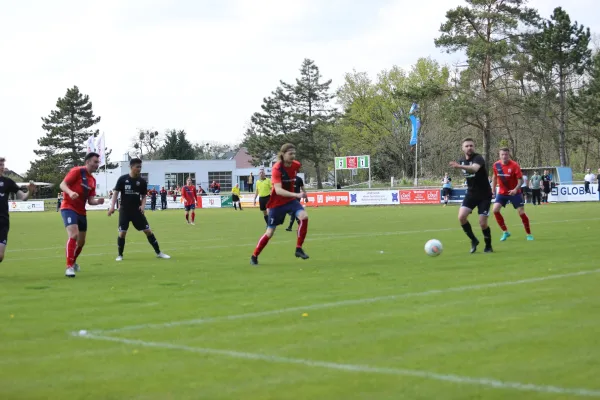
[[211, 202], [573, 193], [26, 206], [374, 198], [417, 196], [247, 201], [327, 199]]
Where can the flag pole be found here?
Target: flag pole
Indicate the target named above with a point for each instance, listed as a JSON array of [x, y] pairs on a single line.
[[105, 163]]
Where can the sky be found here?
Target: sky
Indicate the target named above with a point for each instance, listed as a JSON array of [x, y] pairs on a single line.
[[199, 65]]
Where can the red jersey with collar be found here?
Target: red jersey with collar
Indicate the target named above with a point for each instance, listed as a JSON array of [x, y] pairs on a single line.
[[189, 195], [83, 183], [287, 177], [508, 176]]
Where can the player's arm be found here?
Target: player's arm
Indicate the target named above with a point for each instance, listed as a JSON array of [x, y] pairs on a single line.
[[473, 168], [285, 193], [144, 194], [256, 193], [115, 196], [69, 180], [21, 195], [92, 200], [494, 183]]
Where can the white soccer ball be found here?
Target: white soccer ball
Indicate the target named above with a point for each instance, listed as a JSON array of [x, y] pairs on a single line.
[[433, 248]]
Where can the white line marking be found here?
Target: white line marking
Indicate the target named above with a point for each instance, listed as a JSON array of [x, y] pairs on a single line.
[[466, 380], [251, 245], [344, 303], [329, 235]]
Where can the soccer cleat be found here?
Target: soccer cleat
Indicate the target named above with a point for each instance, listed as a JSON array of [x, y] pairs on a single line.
[[70, 272], [76, 267], [474, 244], [162, 255], [119, 258], [505, 235], [191, 223], [488, 250], [301, 254], [529, 237], [288, 229], [253, 260]]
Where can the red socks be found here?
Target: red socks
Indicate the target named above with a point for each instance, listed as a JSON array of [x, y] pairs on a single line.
[[193, 216], [71, 246], [525, 220], [78, 252], [500, 220], [187, 217], [302, 230], [262, 243]]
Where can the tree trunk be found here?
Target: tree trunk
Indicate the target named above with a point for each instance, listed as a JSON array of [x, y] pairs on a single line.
[[319, 178], [487, 133], [562, 154], [586, 151]]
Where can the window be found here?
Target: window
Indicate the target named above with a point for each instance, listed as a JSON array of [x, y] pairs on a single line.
[[222, 177], [178, 179]]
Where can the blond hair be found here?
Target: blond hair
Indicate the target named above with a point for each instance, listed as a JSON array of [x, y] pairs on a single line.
[[284, 149]]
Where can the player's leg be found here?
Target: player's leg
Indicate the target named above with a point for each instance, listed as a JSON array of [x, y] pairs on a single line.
[[500, 202], [123, 227], [193, 211], [302, 216], [187, 214], [463, 217], [70, 219], [140, 223], [292, 220], [240, 203], [519, 205], [275, 218], [2, 250], [484, 211], [3, 241]]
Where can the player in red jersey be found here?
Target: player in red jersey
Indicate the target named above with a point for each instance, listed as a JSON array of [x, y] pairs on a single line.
[[79, 187], [284, 201], [508, 175], [190, 200]]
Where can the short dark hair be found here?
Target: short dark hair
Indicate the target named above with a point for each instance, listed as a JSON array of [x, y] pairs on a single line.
[[505, 149], [135, 161], [467, 140], [89, 156]]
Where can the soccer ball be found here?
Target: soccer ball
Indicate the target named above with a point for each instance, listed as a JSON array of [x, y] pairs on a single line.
[[433, 248]]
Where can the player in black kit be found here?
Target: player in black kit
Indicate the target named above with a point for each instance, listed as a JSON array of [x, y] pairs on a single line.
[[479, 194], [8, 186], [133, 190]]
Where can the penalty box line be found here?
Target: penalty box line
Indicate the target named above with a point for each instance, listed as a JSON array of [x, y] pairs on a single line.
[[358, 368], [344, 303]]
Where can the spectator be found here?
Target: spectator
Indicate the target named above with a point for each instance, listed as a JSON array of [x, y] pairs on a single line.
[[59, 201], [446, 188], [251, 183], [215, 187], [163, 198], [201, 191], [588, 180]]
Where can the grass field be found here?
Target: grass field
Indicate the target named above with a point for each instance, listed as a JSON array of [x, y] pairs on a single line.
[[368, 316]]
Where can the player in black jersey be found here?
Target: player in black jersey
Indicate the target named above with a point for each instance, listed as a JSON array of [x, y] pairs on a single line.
[[8, 186], [134, 190], [479, 194]]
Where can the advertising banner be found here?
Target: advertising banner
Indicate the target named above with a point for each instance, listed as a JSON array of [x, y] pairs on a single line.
[[316, 199], [25, 206], [374, 198], [417, 196], [573, 193], [226, 201], [209, 201]]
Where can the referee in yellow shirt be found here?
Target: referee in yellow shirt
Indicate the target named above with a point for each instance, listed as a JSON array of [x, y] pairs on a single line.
[[235, 196], [263, 192]]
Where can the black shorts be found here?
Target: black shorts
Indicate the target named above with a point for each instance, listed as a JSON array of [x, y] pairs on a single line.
[[262, 202], [135, 217], [482, 203], [3, 233], [525, 190], [235, 198], [446, 191], [547, 189]]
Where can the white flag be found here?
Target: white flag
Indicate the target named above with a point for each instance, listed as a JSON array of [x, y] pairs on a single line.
[[100, 147], [90, 145]]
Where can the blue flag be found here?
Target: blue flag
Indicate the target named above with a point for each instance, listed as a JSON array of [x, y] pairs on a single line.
[[415, 122]]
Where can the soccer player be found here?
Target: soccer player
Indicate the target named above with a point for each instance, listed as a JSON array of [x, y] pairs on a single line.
[[546, 184], [508, 175], [263, 192], [190, 200], [79, 187], [284, 201], [133, 189], [298, 188], [235, 196], [479, 194], [8, 186], [446, 188]]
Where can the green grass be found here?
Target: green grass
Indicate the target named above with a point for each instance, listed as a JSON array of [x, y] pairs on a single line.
[[541, 332]]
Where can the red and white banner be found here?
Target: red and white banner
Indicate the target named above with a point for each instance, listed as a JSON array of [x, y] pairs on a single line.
[[417, 196], [316, 199], [209, 201]]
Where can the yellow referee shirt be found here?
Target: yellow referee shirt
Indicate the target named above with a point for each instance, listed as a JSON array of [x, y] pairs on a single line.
[[263, 187], [236, 191]]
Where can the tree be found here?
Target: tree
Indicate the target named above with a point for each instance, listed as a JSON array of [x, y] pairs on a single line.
[[177, 147], [487, 31], [299, 113], [561, 49], [147, 143], [67, 130]]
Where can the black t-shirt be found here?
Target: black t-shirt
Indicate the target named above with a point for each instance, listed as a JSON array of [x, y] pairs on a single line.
[[153, 195], [299, 183], [7, 186], [132, 190], [477, 183], [546, 181]]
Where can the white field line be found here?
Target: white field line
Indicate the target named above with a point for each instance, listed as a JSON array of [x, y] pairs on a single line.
[[27, 249], [344, 303], [310, 238], [458, 379]]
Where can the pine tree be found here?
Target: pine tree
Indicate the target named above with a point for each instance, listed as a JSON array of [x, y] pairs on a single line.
[[177, 146]]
